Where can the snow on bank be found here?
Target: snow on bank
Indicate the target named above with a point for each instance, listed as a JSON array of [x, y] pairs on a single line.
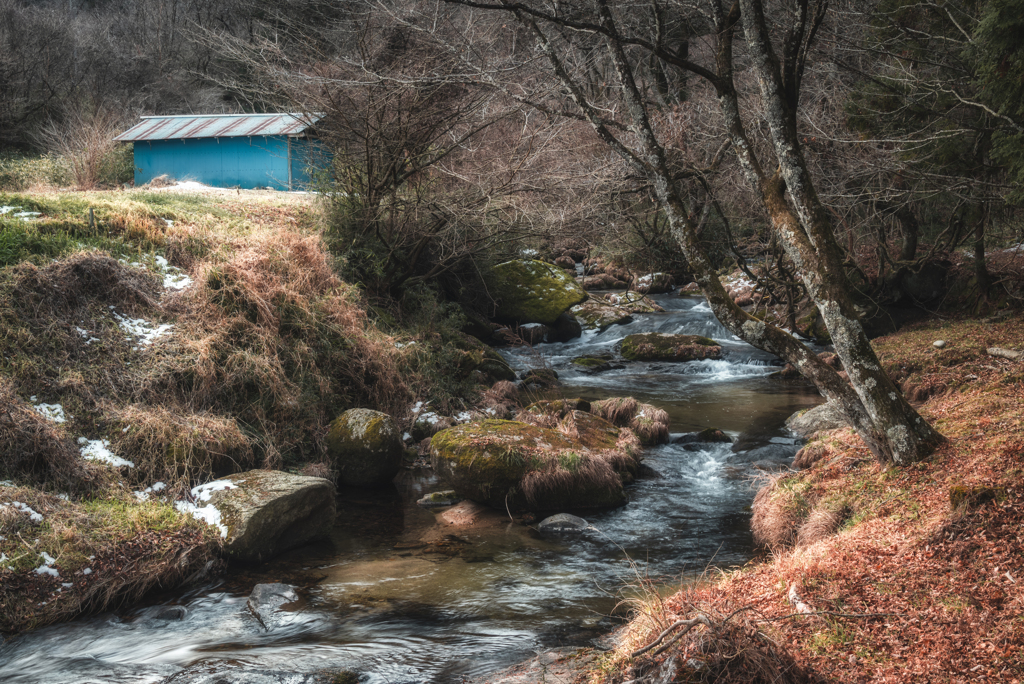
[[23, 215], [54, 412], [145, 332], [99, 450], [208, 513], [26, 509], [143, 495]]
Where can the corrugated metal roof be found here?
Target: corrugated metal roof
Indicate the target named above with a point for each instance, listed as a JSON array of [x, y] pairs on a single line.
[[218, 126]]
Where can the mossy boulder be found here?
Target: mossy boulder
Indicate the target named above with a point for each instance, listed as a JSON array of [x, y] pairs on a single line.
[[974, 496], [476, 356], [365, 447], [705, 436], [593, 364], [267, 512], [540, 378], [521, 467], [664, 347], [533, 292], [601, 315]]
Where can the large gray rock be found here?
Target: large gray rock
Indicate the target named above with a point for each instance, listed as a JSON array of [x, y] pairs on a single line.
[[267, 512], [824, 417], [366, 448]]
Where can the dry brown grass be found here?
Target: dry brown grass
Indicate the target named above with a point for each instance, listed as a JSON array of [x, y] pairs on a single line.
[[726, 645], [37, 450], [128, 547], [779, 508], [502, 393], [169, 444], [650, 424], [268, 346], [563, 475], [824, 520], [277, 339], [616, 410]]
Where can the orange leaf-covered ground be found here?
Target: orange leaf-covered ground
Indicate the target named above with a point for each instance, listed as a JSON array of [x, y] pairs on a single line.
[[919, 591]]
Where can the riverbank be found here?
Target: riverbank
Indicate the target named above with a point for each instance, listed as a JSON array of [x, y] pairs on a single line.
[[882, 574], [152, 340]]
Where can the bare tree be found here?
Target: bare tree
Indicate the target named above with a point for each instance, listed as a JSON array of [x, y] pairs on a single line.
[[626, 119]]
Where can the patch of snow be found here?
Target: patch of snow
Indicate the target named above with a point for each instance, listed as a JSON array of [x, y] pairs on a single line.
[[403, 345], [406, 437], [177, 281], [531, 325], [143, 495], [54, 412], [99, 450], [145, 331], [463, 417], [6, 209], [45, 568], [208, 514], [203, 492], [89, 339], [87, 571], [26, 509], [191, 185]]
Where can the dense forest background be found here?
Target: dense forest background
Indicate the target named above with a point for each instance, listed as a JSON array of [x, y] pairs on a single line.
[[452, 147]]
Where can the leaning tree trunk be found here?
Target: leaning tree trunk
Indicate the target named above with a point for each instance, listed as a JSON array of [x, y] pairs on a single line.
[[897, 429], [756, 332]]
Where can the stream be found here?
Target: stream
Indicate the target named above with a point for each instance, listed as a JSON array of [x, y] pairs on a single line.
[[393, 598]]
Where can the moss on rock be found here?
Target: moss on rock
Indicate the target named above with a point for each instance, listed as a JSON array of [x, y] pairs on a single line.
[[533, 291], [366, 448], [663, 347], [517, 466]]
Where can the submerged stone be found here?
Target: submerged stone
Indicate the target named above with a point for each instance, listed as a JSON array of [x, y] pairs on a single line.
[[439, 499], [266, 600], [562, 524], [366, 448]]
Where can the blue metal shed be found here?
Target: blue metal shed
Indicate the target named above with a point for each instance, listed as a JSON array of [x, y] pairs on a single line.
[[229, 150]]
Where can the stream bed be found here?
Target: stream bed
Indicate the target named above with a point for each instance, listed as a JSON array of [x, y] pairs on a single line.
[[395, 597]]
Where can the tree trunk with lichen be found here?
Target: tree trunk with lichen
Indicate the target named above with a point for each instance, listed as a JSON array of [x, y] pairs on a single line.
[[897, 433]]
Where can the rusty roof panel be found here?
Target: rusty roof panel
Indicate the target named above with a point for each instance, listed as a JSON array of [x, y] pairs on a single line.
[[218, 126]]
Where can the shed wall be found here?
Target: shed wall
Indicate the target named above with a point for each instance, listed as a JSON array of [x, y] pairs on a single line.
[[249, 162]]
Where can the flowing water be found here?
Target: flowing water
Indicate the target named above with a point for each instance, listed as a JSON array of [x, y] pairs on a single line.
[[396, 598]]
